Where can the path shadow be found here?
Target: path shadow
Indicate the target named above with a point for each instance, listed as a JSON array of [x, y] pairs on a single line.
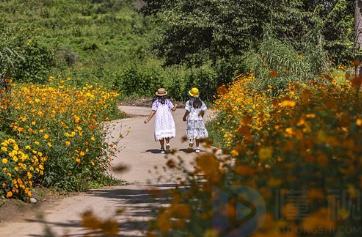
[[49, 232], [70, 223], [157, 151], [188, 150], [154, 151], [140, 205]]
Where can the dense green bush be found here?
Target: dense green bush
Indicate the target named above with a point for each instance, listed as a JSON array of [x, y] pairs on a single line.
[[276, 63], [33, 60], [136, 81]]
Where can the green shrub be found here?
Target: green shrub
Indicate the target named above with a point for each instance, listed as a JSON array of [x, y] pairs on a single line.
[[276, 63], [35, 59], [64, 123]]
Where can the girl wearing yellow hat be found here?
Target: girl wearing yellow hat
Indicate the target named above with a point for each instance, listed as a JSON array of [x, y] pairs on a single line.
[[195, 110]]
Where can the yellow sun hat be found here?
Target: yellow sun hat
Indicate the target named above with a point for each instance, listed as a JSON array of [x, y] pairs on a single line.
[[194, 92]]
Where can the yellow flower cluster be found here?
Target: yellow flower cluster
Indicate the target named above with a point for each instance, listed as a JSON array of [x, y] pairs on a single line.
[[305, 143], [240, 109], [61, 121], [19, 167]]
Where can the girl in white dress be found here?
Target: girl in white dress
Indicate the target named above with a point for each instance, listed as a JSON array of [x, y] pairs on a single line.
[[195, 110], [164, 123]]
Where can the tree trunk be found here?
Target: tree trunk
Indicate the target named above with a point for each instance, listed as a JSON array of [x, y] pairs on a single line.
[[358, 35]]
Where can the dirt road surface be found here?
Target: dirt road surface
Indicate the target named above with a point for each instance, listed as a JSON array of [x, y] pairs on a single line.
[[141, 154]]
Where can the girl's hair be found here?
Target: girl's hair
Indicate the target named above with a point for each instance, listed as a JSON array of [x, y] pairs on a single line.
[[195, 102], [161, 99]]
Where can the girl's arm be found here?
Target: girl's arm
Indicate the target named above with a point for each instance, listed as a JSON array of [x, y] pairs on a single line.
[[203, 109], [174, 108], [185, 115], [202, 113], [150, 116]]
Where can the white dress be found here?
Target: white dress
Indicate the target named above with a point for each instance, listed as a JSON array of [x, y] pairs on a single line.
[[164, 123], [195, 124]]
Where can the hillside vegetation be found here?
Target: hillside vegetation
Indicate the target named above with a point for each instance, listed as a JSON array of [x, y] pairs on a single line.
[[88, 40]]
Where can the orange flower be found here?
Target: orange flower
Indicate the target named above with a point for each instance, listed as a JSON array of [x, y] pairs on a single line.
[[273, 74], [288, 103]]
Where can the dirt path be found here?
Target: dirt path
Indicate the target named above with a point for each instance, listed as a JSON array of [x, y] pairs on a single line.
[[141, 154]]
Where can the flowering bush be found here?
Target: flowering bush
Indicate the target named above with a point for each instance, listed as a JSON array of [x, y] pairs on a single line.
[[301, 151], [64, 125], [19, 168]]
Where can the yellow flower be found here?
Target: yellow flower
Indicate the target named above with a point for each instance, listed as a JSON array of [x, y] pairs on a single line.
[[37, 143], [49, 144], [4, 161], [46, 136], [67, 143], [4, 149], [289, 103], [76, 119], [359, 122], [265, 153], [234, 153], [82, 153], [289, 131], [9, 194]]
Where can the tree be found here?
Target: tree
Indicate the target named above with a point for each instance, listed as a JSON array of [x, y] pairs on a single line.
[[197, 31], [358, 35]]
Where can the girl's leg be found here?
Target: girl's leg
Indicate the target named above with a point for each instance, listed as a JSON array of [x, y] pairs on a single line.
[[162, 143], [167, 143], [197, 142], [191, 143], [197, 148]]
